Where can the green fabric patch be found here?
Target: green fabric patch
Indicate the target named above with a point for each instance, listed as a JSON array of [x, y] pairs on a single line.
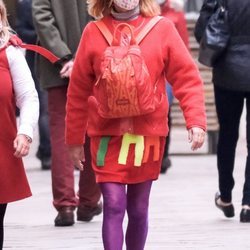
[[102, 150]]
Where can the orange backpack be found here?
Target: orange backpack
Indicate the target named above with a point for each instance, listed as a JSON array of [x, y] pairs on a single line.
[[124, 88]]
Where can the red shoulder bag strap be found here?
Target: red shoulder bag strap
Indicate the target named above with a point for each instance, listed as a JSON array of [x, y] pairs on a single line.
[[16, 41], [145, 30], [42, 51]]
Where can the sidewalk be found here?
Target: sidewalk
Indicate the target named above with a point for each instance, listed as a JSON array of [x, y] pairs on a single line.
[[182, 211]]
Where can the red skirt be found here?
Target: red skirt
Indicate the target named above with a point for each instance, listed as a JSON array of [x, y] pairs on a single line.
[[113, 160], [13, 181]]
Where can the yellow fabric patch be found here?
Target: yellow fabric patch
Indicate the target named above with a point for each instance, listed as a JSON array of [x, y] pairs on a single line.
[[128, 139]]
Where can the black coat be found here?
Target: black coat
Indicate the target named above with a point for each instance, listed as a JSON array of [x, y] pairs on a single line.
[[25, 29], [24, 23], [232, 70]]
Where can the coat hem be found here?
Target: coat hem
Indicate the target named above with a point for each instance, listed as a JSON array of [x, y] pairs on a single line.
[[15, 199]]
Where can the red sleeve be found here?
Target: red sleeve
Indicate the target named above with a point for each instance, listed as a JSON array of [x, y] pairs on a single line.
[[80, 88], [183, 74]]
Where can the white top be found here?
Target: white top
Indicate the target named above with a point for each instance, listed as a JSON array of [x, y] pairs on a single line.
[[25, 93]]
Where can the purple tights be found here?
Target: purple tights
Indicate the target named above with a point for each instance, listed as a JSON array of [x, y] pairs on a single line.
[[116, 201]]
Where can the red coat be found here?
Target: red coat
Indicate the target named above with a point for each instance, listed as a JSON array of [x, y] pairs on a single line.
[[13, 182], [166, 57]]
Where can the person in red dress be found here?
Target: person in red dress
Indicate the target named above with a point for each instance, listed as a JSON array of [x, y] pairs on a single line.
[[17, 89], [127, 152]]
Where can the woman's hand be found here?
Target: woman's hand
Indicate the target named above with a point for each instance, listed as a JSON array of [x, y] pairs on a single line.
[[76, 154], [196, 136], [22, 145]]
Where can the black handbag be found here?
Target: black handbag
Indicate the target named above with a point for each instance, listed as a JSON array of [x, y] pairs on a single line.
[[215, 37]]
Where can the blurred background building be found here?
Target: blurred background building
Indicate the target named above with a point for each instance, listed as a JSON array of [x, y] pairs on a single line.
[[191, 6]]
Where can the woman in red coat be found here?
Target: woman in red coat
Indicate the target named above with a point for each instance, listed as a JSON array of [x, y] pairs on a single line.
[[17, 89], [127, 152]]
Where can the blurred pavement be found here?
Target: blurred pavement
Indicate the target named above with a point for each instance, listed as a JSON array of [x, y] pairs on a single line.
[[182, 211]]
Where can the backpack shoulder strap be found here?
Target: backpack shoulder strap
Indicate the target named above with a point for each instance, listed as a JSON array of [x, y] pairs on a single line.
[[104, 30], [146, 29]]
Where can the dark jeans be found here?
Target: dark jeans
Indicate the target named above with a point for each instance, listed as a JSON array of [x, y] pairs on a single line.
[[170, 101], [229, 106], [166, 151], [44, 148]]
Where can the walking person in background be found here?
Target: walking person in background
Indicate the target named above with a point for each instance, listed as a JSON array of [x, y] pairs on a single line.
[[173, 10], [231, 78], [11, 7], [59, 25], [17, 88], [25, 29], [125, 166]]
